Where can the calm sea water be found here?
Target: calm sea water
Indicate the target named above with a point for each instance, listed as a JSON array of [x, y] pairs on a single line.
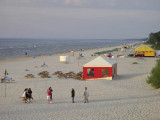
[[18, 47]]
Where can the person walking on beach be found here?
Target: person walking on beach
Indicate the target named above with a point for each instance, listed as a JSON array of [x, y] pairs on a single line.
[[51, 99], [30, 94], [49, 95], [27, 94], [72, 95], [86, 95], [24, 96]]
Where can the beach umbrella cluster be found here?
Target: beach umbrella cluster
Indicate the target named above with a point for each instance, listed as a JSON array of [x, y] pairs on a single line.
[[78, 76], [71, 74], [28, 76], [44, 74], [59, 74]]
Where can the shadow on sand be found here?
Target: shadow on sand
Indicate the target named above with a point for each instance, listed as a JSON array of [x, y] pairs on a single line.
[[128, 98], [98, 100], [128, 76]]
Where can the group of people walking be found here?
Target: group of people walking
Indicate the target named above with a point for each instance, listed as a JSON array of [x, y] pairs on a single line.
[[27, 95], [85, 94]]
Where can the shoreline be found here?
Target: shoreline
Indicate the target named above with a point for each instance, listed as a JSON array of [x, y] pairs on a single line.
[[62, 52]]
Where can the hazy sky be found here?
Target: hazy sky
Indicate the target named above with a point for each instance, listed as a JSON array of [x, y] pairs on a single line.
[[79, 18]]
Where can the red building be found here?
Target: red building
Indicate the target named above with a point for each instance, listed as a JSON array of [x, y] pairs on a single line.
[[100, 68]]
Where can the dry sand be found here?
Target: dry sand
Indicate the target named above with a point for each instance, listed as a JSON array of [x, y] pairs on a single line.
[[126, 97]]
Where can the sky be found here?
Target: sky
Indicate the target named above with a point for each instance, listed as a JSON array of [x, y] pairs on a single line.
[[82, 19]]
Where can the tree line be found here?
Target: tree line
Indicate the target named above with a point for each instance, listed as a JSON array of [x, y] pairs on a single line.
[[154, 78], [154, 39]]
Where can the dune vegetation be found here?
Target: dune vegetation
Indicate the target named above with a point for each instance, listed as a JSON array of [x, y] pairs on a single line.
[[154, 78]]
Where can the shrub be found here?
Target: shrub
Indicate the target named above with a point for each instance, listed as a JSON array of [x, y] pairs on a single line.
[[134, 63], [154, 78], [149, 80], [156, 47]]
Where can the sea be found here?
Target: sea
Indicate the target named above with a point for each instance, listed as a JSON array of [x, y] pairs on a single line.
[[10, 48]]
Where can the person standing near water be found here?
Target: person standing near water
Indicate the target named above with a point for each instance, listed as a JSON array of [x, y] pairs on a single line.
[[72, 95]]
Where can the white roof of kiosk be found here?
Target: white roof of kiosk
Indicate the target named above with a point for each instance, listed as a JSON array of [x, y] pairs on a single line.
[[100, 61]]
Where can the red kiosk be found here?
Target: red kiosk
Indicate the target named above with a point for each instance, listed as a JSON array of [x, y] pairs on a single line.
[[100, 68]]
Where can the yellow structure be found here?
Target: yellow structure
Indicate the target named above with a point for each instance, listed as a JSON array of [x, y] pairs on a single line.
[[144, 51]]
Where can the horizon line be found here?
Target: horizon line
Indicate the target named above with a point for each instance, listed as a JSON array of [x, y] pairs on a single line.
[[76, 38]]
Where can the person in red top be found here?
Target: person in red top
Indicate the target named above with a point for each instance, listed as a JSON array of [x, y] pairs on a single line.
[[48, 96]]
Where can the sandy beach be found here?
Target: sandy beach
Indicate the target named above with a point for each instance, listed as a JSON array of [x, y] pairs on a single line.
[[126, 97]]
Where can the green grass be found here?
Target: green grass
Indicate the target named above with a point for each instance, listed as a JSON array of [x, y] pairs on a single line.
[[108, 51], [156, 47]]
